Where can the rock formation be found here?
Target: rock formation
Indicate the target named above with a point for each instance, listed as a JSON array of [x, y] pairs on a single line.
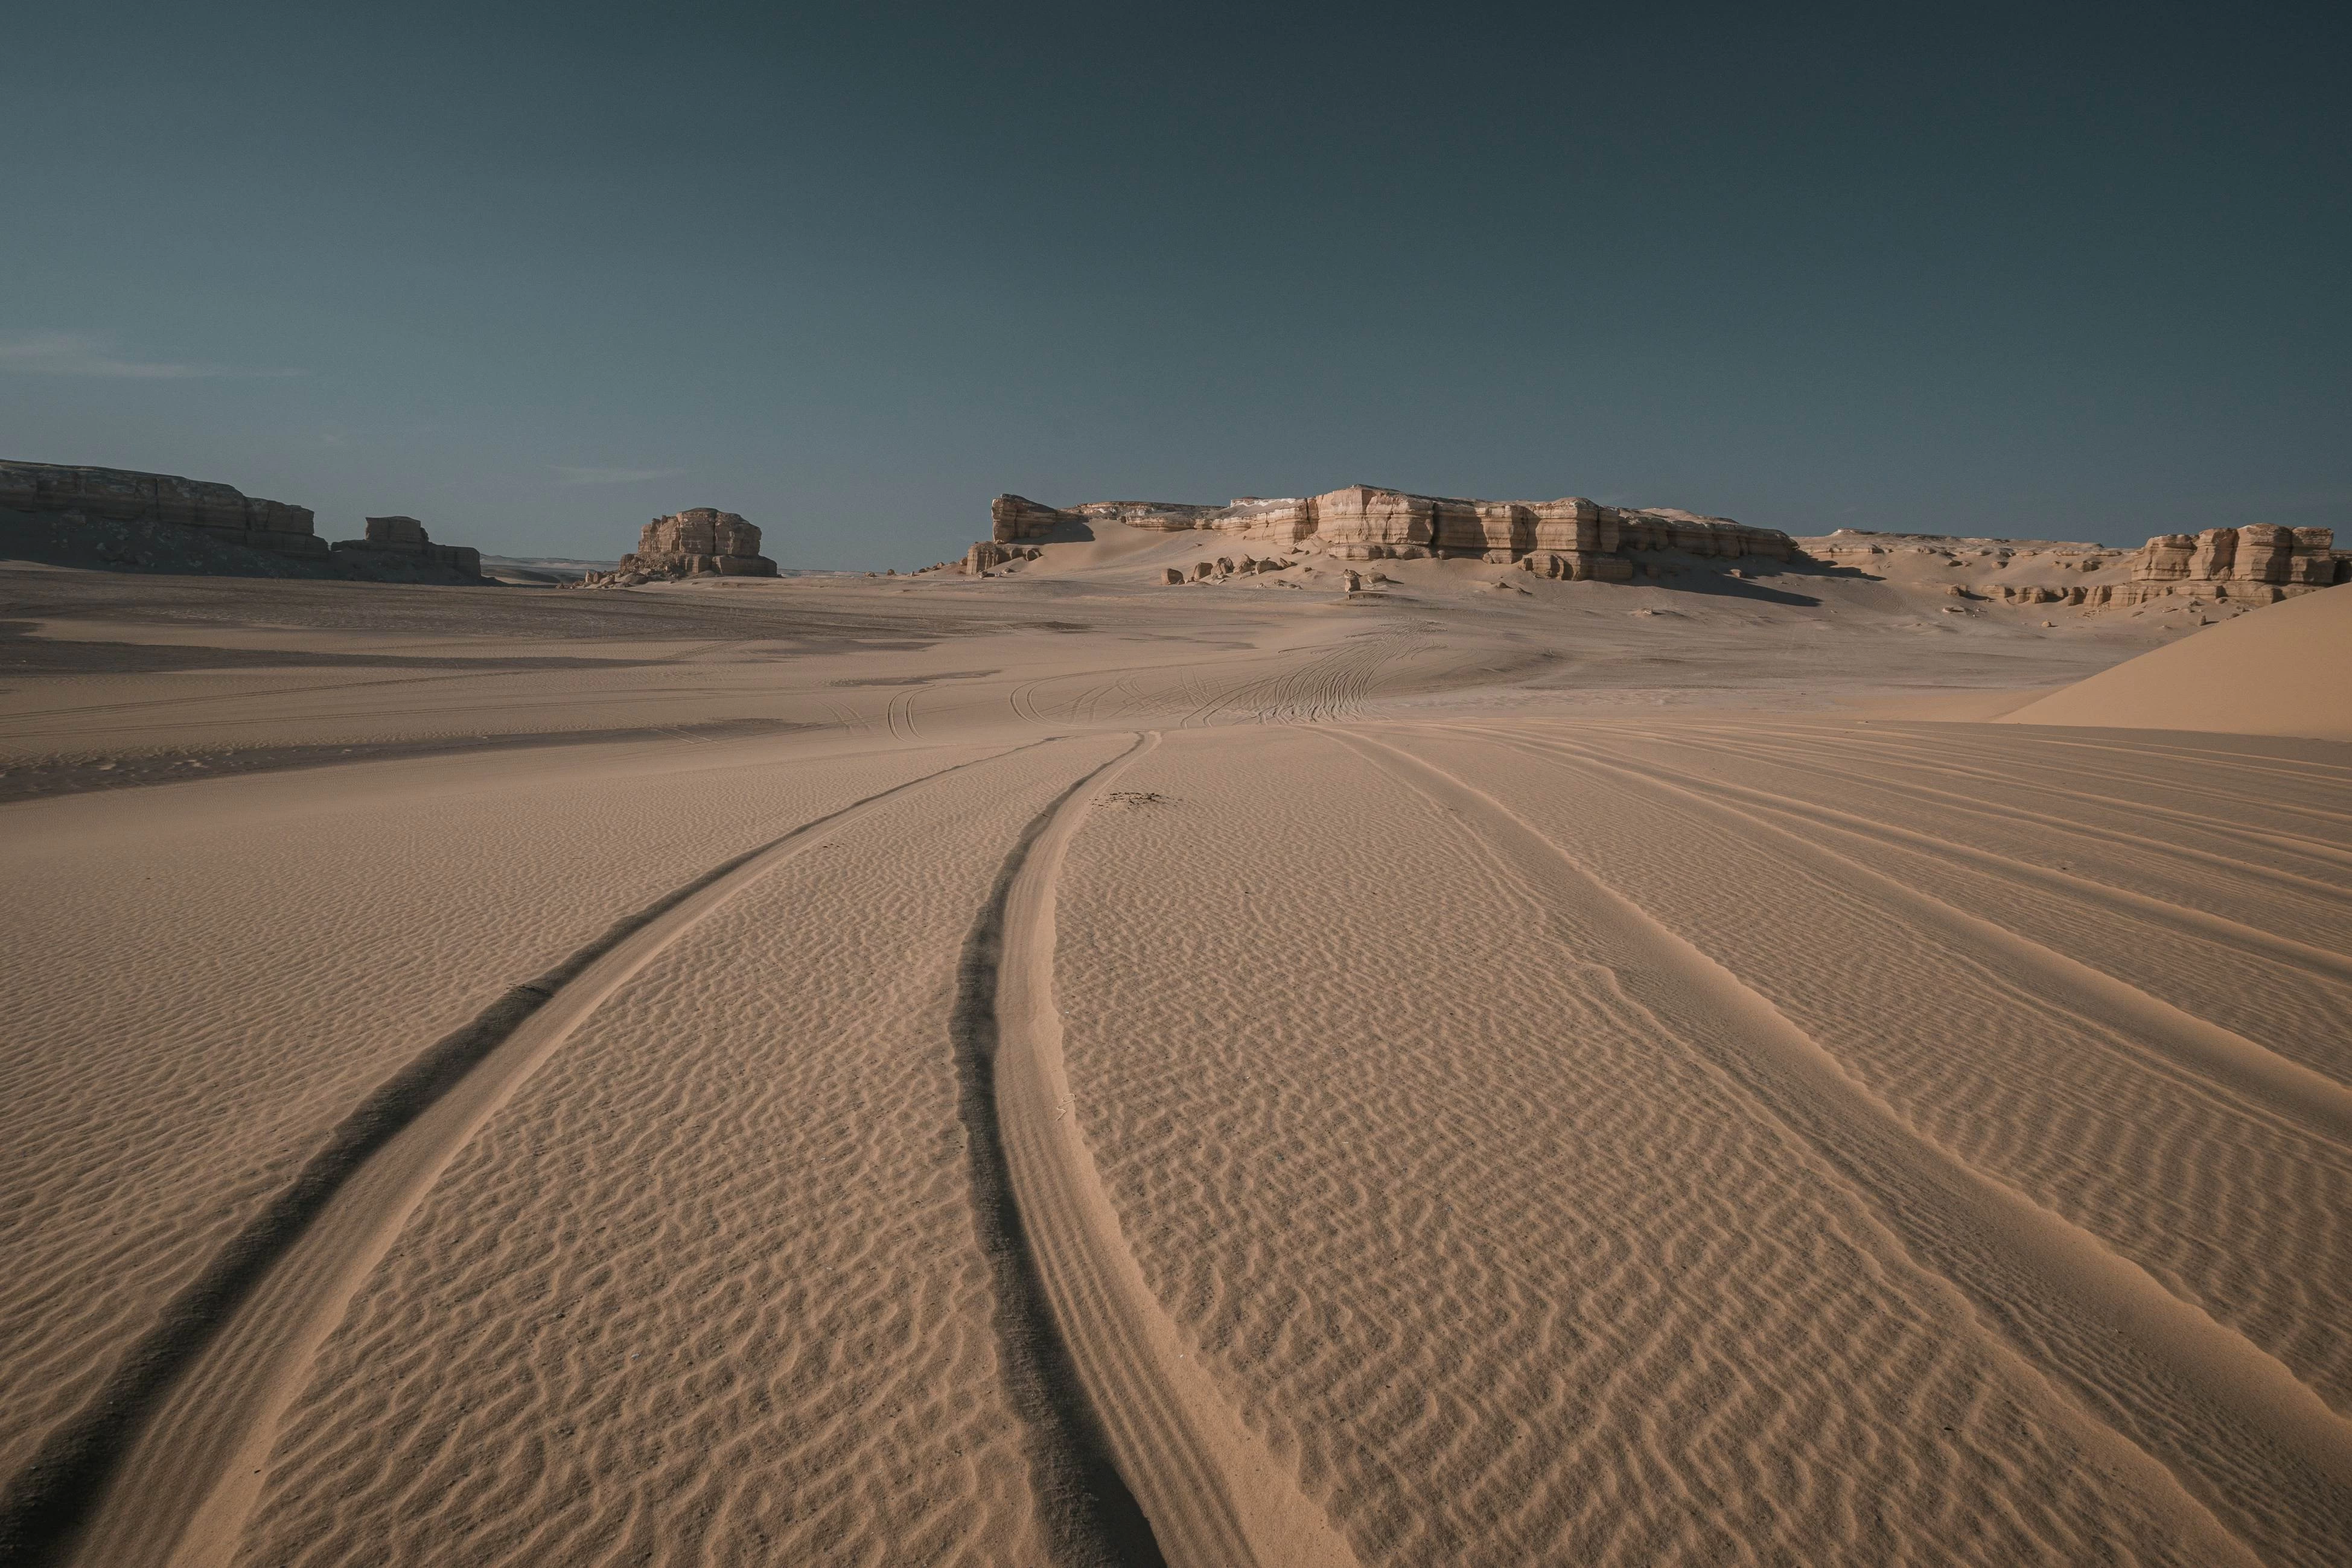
[[406, 536], [1572, 538], [700, 542], [1017, 517], [987, 555], [122, 495], [2257, 561]]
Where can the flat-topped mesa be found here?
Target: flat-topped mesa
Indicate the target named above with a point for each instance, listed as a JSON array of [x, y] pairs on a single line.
[[226, 515], [1568, 538], [406, 536], [2258, 562]]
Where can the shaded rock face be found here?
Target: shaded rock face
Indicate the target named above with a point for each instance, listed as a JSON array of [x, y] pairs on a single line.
[[125, 495], [1366, 522], [406, 536], [1014, 518], [396, 534], [2259, 562]]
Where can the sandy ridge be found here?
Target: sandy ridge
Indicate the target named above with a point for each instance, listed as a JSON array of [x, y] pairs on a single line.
[[2173, 1389], [165, 1465], [1213, 1491]]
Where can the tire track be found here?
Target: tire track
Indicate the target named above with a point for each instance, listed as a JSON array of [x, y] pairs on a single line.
[[1138, 1455], [1325, 686], [901, 714], [163, 1463], [2155, 1031], [1797, 758], [2216, 929], [1924, 756], [1905, 757], [2277, 767], [2244, 1448]]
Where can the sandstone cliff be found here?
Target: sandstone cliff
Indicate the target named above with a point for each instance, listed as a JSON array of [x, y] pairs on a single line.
[[2257, 561], [1568, 538], [700, 542]]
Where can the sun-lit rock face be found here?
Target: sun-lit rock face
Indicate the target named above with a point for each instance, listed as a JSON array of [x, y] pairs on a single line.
[[2257, 560], [700, 542], [1574, 537], [126, 495]]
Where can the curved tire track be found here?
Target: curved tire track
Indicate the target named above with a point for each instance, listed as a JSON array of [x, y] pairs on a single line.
[[163, 1464], [2179, 918], [1140, 1460], [2186, 1402]]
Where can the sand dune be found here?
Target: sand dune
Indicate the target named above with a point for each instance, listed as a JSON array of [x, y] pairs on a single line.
[[2284, 671], [1053, 1068]]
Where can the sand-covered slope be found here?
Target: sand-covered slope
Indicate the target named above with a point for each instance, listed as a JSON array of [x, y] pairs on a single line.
[[2285, 669]]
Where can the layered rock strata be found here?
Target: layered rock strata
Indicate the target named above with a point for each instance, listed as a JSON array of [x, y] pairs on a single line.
[[227, 515], [1568, 538], [406, 536], [987, 555], [700, 542], [2257, 561]]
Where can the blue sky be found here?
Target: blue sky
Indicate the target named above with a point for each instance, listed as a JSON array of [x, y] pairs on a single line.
[[535, 273]]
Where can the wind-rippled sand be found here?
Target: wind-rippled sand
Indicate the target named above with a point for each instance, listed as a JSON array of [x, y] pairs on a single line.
[[1046, 1071]]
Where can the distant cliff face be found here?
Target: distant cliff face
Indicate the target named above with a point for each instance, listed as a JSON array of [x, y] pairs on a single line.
[[406, 536], [124, 495], [1572, 537], [148, 508]]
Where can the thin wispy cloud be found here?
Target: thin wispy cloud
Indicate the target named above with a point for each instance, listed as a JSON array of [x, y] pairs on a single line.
[[75, 353], [613, 476]]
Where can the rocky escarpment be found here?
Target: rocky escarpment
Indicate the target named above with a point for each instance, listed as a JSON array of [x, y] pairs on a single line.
[[2222, 569], [700, 542], [2257, 561], [2257, 564], [1568, 538], [225, 514], [404, 537]]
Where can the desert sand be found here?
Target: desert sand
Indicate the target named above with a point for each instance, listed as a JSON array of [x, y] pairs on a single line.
[[1791, 1066]]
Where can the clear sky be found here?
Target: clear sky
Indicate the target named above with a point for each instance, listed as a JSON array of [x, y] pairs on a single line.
[[535, 273]]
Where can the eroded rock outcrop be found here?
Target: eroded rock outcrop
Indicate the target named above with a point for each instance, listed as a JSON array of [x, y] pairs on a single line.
[[700, 542], [226, 514], [1571, 537], [2256, 562], [987, 555]]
